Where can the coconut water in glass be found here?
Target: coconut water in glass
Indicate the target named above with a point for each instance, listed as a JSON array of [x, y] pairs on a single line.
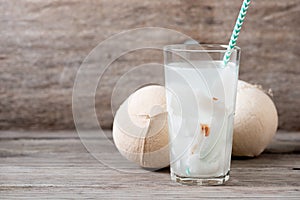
[[200, 94]]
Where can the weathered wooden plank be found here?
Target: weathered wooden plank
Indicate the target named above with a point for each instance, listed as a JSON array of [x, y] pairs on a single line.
[[43, 43], [56, 165], [157, 193]]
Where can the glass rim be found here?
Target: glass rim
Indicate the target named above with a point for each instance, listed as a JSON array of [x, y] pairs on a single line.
[[207, 48]]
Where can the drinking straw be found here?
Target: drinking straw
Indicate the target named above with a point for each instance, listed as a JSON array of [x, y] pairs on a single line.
[[236, 30]]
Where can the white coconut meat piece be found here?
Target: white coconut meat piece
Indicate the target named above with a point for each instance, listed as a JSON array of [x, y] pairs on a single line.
[[255, 121], [140, 129]]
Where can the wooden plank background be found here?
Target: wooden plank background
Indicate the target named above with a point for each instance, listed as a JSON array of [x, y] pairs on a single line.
[[43, 43]]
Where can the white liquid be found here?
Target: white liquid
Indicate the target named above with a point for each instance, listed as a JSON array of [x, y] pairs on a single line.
[[203, 94]]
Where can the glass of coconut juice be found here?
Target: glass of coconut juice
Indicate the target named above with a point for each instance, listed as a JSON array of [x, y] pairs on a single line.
[[200, 94]]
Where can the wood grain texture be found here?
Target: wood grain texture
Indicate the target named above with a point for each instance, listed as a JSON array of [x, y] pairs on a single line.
[[43, 43], [56, 165]]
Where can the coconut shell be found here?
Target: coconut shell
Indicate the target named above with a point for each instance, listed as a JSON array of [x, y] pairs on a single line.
[[255, 121], [140, 132]]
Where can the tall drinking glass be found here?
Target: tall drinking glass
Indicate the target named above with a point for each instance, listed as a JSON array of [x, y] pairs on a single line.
[[201, 94]]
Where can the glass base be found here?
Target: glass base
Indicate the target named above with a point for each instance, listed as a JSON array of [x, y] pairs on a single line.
[[200, 181]]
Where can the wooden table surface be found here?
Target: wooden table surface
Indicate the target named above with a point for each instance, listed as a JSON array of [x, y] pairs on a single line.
[[57, 165]]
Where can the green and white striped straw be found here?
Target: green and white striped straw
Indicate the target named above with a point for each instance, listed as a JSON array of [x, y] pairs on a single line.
[[236, 30]]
